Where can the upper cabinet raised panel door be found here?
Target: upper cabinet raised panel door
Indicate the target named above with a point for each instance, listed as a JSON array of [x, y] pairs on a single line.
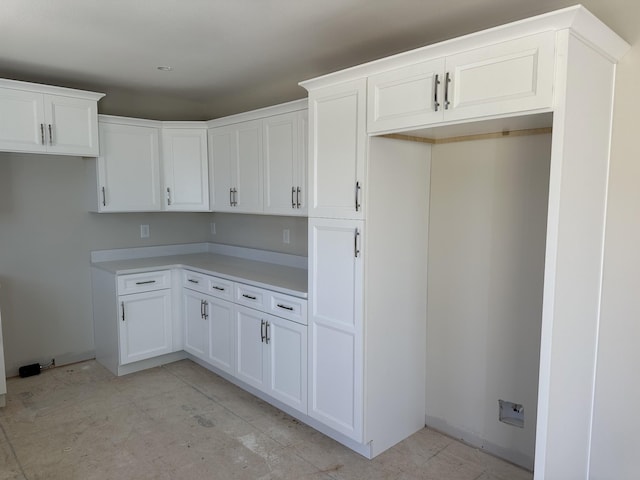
[[512, 76], [71, 125], [21, 121], [185, 167], [283, 164], [406, 96], [337, 129], [35, 118], [236, 164], [128, 169]]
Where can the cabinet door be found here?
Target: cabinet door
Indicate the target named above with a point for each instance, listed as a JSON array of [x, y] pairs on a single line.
[[337, 137], [286, 346], [196, 325], [22, 121], [221, 334], [128, 168], [513, 76], [222, 158], [250, 334], [336, 324], [281, 150], [406, 97], [185, 168], [145, 325], [71, 125], [247, 172]]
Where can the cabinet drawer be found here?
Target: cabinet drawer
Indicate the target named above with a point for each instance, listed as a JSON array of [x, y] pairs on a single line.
[[144, 282], [221, 288], [195, 281], [253, 297], [286, 306]]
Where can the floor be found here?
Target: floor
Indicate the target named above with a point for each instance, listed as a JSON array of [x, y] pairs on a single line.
[[183, 422]]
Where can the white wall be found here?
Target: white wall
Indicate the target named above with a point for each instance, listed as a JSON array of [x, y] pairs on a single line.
[[46, 234], [487, 229]]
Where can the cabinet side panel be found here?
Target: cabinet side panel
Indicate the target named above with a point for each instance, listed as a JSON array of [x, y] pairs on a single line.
[[105, 321], [396, 289]]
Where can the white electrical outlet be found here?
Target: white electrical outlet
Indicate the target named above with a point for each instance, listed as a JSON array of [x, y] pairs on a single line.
[[144, 231], [285, 235], [213, 228]]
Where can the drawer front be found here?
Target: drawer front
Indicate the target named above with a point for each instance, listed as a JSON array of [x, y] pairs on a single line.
[[286, 306], [144, 282], [195, 281], [253, 297], [221, 288]]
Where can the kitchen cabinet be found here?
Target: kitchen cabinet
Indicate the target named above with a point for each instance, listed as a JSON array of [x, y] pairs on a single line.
[[43, 119], [236, 165], [512, 76], [337, 136], [285, 157], [145, 324], [185, 167], [128, 168]]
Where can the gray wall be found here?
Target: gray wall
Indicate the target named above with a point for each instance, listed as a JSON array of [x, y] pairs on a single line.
[[46, 234], [487, 228]]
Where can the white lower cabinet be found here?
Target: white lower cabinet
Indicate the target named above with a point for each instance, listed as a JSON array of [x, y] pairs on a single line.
[[145, 325]]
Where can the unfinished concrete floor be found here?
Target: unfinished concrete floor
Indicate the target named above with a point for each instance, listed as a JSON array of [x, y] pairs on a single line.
[[183, 422]]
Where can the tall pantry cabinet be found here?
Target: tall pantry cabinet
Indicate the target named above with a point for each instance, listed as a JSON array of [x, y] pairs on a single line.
[[368, 221], [366, 336]]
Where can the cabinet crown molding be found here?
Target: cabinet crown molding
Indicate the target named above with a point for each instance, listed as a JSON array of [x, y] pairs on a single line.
[[577, 19], [49, 89], [287, 107]]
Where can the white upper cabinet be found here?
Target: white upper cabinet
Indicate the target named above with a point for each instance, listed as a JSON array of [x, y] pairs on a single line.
[[511, 76], [236, 167], [284, 139], [42, 119], [337, 135], [128, 168], [185, 169]]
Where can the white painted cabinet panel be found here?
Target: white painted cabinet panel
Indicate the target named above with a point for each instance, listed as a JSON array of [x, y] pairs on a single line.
[[337, 135], [250, 336], [128, 169], [145, 325], [335, 319], [38, 122], [221, 337], [185, 168], [195, 324], [284, 163]]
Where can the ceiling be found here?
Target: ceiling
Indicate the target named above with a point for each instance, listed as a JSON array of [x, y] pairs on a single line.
[[228, 56]]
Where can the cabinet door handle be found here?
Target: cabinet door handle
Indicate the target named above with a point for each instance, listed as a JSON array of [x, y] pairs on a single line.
[[447, 81], [122, 304], [267, 338], [285, 307], [146, 282], [50, 135], [193, 281], [206, 309], [436, 83], [356, 244], [298, 197], [235, 197], [262, 335], [293, 192], [231, 197], [358, 196], [104, 198], [215, 287], [250, 297], [201, 308], [42, 133], [168, 196]]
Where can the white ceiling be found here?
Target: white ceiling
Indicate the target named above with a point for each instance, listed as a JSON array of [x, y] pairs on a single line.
[[227, 56]]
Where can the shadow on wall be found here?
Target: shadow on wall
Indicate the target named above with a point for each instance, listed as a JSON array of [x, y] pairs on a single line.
[[6, 193]]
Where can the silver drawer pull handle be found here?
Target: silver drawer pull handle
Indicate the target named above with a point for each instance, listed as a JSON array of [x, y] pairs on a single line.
[[250, 297], [215, 287], [285, 307], [193, 281], [146, 282]]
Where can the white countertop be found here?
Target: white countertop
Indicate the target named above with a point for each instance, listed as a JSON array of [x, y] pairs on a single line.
[[280, 278]]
